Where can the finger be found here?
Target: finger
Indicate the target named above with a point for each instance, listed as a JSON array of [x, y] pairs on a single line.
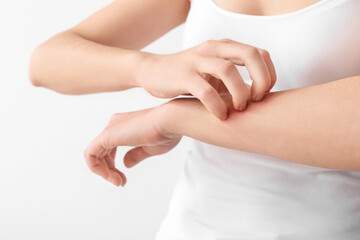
[[267, 59], [97, 166], [228, 73], [123, 177], [113, 155], [243, 54], [219, 86], [94, 156], [118, 178], [136, 155], [112, 165], [209, 97], [114, 174], [270, 65]]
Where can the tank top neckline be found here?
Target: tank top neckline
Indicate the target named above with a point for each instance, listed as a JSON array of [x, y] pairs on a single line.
[[229, 13]]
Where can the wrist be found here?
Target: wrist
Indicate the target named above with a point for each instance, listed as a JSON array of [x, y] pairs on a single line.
[[144, 65], [177, 116], [165, 119]]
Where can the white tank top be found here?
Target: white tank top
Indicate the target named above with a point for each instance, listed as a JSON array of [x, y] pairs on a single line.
[[226, 194]]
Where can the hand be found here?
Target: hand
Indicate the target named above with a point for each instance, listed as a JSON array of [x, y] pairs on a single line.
[[193, 70], [140, 129]]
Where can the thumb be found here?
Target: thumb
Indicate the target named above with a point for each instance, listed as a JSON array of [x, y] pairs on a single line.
[[134, 156]]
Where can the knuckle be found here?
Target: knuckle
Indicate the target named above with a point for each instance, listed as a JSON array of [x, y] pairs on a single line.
[[90, 165], [207, 45], [114, 116], [226, 40], [252, 52], [264, 53], [225, 68]]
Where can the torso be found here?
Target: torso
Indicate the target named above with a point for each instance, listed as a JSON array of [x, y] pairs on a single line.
[[225, 194]]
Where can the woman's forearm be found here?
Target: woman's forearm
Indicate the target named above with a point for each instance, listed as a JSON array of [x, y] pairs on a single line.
[[71, 64], [317, 125], [101, 53]]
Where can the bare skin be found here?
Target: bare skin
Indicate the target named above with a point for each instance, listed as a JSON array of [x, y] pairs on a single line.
[[106, 46], [317, 126], [100, 54], [264, 7]]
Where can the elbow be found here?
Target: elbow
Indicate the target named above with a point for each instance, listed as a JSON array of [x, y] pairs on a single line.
[[45, 58], [35, 67]]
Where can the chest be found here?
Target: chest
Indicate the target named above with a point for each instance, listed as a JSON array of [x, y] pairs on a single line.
[[316, 44], [264, 7]]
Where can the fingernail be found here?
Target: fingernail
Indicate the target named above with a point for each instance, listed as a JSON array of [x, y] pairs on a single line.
[[259, 97], [224, 116], [242, 107]]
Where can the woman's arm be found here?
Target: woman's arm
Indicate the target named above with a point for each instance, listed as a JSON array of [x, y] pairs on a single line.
[[99, 54], [317, 125]]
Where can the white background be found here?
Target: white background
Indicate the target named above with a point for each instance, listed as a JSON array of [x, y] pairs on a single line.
[[46, 189]]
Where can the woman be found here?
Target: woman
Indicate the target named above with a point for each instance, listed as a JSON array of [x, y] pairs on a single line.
[[264, 165]]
